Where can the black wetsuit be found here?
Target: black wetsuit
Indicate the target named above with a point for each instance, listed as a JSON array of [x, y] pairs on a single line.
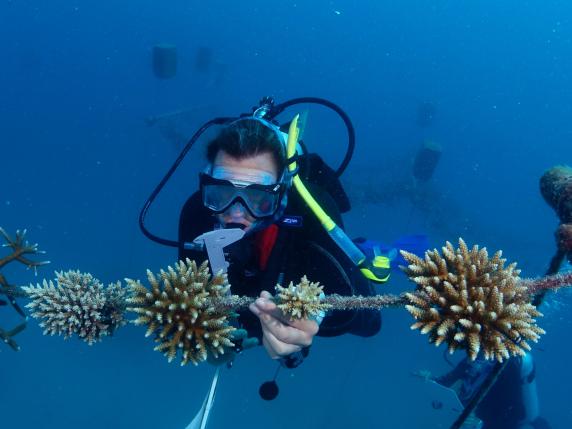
[[511, 403], [298, 250]]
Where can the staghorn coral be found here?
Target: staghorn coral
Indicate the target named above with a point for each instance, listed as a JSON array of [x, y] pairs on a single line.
[[471, 301], [79, 304], [8, 336], [20, 247], [179, 310], [301, 301]]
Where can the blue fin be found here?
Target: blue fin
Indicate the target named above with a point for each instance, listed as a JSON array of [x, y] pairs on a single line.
[[416, 244]]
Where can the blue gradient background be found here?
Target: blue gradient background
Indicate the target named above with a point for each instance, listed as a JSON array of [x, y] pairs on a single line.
[[77, 162]]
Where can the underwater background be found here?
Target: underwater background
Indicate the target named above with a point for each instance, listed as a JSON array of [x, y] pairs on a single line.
[[79, 156]]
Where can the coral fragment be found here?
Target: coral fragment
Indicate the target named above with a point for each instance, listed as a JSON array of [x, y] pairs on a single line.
[[179, 310], [477, 303]]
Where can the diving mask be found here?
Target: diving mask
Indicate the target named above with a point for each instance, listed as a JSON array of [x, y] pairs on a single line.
[[261, 201]]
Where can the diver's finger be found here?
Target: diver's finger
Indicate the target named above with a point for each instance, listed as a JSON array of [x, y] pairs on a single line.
[[262, 305], [275, 312], [267, 306], [269, 349], [265, 303], [249, 342], [239, 334], [309, 326], [284, 332], [255, 309], [278, 347]]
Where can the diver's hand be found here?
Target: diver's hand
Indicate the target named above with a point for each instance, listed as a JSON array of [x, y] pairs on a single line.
[[282, 336]]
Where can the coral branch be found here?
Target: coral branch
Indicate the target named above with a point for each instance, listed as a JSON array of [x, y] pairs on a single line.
[[20, 247], [11, 292], [8, 336], [301, 301]]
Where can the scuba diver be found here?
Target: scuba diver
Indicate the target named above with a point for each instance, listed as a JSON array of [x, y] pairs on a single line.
[[512, 401], [247, 185], [286, 203]]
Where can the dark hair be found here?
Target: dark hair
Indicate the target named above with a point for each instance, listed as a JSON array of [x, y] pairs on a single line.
[[246, 138]]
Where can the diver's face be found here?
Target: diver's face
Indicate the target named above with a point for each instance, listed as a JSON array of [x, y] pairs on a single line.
[[260, 169]]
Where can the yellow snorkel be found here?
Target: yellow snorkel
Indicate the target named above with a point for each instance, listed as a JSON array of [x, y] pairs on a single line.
[[377, 270]]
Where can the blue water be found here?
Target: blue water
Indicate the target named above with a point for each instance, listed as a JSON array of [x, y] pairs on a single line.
[[78, 160]]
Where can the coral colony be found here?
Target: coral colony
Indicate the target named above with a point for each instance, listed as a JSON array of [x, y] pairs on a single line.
[[471, 301], [80, 305], [20, 248], [179, 310]]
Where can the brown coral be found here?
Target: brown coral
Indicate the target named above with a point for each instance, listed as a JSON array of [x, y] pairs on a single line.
[[79, 304], [471, 301], [301, 301], [20, 248], [179, 310]]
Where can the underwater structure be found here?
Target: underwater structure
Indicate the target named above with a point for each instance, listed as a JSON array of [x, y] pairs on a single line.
[[463, 297], [426, 160], [165, 60], [556, 189], [426, 112]]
